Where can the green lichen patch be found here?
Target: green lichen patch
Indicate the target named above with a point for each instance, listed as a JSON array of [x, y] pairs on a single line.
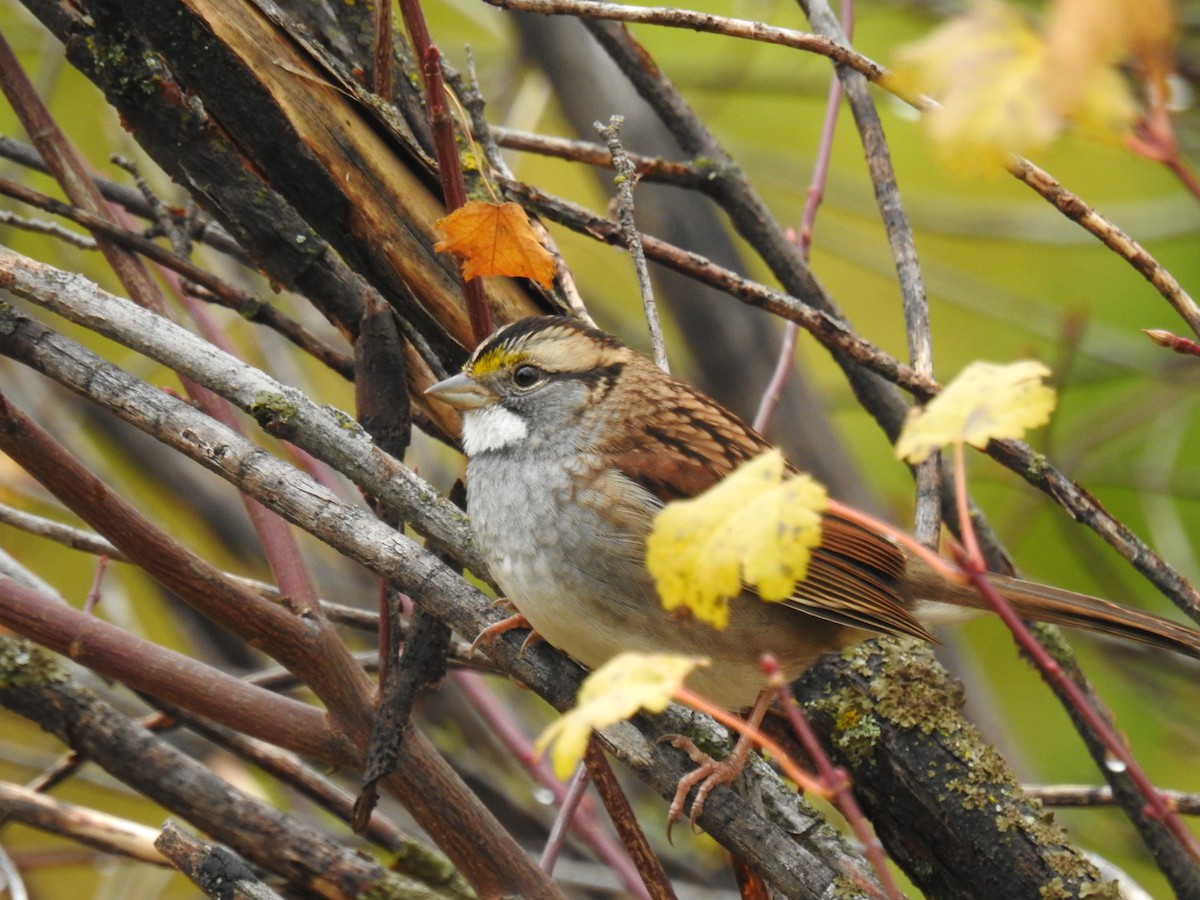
[[272, 408], [25, 664]]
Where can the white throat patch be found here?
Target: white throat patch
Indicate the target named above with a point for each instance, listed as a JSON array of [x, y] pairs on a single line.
[[491, 427]]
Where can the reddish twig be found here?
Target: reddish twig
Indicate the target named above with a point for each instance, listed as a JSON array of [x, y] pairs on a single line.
[[1154, 138], [381, 77], [454, 189], [577, 787], [803, 241], [1173, 341], [1119, 758], [94, 594], [806, 782], [584, 823], [147, 667], [655, 883], [834, 777]]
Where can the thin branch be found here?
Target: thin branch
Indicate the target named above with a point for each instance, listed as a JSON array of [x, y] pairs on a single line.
[[509, 733], [1087, 795], [704, 22], [454, 190], [1078, 210], [833, 777], [928, 515], [10, 877], [1174, 342], [577, 787], [52, 229], [655, 883], [243, 303], [626, 181], [75, 538], [216, 870], [173, 677], [648, 168], [204, 230], [88, 826], [812, 202]]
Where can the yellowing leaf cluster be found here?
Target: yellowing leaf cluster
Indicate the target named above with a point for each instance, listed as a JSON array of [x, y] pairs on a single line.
[[754, 528], [615, 691], [1085, 36], [985, 402], [1004, 87]]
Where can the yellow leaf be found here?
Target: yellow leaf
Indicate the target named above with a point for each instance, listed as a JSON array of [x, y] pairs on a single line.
[[1105, 109], [1088, 38], [1151, 39], [1003, 88], [985, 402], [753, 528], [987, 70], [615, 691], [495, 239]]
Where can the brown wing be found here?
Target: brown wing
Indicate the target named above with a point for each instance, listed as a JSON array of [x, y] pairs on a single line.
[[854, 573], [685, 443], [853, 579]]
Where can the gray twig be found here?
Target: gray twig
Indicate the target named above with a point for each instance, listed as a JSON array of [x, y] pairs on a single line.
[[626, 180]]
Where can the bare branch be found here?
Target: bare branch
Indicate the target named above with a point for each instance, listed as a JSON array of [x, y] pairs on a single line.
[[88, 826]]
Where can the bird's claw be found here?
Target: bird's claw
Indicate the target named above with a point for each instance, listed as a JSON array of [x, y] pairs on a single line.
[[492, 632], [709, 774]]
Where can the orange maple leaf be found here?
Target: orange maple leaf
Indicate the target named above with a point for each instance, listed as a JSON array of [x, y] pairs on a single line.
[[495, 239]]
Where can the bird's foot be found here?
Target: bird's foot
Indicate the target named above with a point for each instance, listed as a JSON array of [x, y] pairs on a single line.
[[709, 774], [516, 620]]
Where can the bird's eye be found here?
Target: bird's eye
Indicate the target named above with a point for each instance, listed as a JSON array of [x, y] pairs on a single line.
[[527, 376]]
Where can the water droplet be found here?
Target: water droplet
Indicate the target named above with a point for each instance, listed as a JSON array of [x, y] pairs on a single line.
[[1114, 764], [544, 796]]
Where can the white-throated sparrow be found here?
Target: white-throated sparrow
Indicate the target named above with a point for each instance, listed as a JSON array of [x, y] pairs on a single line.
[[574, 442]]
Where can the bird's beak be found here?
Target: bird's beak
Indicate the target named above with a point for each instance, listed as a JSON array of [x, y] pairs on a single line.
[[460, 391]]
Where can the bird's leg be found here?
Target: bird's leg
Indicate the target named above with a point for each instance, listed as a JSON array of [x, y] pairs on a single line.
[[710, 772], [516, 620]]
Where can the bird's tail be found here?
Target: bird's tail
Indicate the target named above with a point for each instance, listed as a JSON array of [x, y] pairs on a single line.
[[1062, 607]]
